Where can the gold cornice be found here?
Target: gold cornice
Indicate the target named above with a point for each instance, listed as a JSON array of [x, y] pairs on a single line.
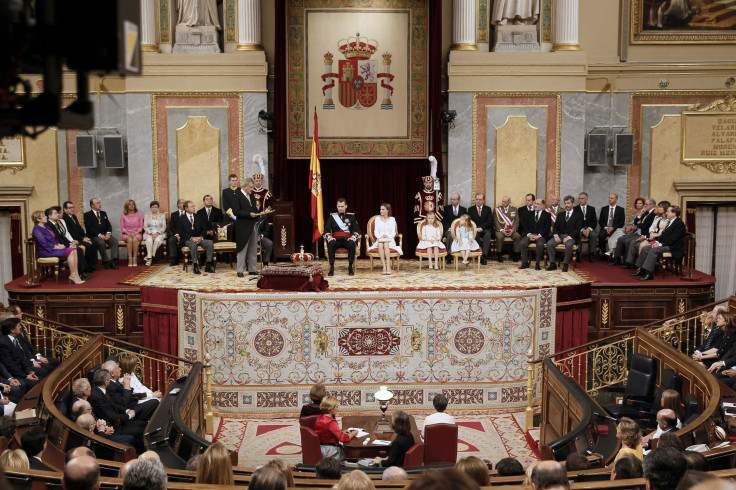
[[249, 47], [463, 47], [566, 47], [150, 48]]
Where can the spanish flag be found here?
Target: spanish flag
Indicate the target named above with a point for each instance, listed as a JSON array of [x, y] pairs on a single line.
[[315, 185]]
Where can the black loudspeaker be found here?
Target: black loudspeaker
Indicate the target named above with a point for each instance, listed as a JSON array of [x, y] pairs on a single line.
[[596, 150], [623, 150], [86, 157], [114, 151]]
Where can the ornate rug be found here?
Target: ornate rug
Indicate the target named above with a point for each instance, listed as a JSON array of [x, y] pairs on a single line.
[[259, 440], [267, 349], [409, 278]]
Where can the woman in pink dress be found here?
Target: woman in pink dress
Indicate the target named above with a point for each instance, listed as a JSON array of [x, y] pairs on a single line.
[[131, 226]]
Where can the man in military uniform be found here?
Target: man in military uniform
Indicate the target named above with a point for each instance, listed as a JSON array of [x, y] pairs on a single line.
[[341, 231], [229, 195], [506, 223], [427, 200]]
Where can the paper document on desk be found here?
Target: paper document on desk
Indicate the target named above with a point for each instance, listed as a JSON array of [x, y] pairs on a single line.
[[361, 432], [380, 442]]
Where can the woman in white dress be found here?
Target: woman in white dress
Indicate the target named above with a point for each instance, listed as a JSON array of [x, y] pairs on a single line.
[[431, 239], [384, 229], [128, 364], [154, 231], [464, 240]]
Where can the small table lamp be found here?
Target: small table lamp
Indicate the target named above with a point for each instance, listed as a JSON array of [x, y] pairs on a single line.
[[383, 396]]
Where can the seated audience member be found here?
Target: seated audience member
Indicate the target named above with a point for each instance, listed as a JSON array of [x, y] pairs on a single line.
[[329, 433], [565, 230], [211, 214], [577, 462], [328, 469], [658, 223], [14, 359], [506, 223], [404, 441], [549, 475], [590, 223], [79, 235], [452, 212], [112, 411], [128, 365], [722, 354], [154, 227], [626, 467], [316, 394], [145, 474], [464, 242], [48, 246], [439, 417], [99, 230], [150, 455], [443, 480], [87, 421], [355, 480], [124, 469], [175, 230], [267, 478], [711, 331], [385, 230], [431, 239], [79, 451], [33, 441], [14, 458], [81, 389], [670, 439], [79, 408], [56, 225], [12, 387], [7, 428], [611, 221], [482, 216], [476, 469], [393, 473], [639, 230], [536, 230], [671, 399], [193, 232], [703, 481], [670, 241], [82, 473], [48, 363], [122, 392], [666, 421], [6, 406], [215, 467], [695, 461], [509, 467], [663, 468], [193, 462], [281, 465]]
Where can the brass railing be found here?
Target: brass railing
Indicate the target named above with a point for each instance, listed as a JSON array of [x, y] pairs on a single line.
[[603, 363]]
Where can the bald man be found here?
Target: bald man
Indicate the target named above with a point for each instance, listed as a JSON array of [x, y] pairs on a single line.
[[124, 469], [81, 473], [506, 224], [79, 452], [666, 422], [549, 475]]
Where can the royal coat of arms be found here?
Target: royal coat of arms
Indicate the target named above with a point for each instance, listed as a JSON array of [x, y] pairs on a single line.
[[357, 75]]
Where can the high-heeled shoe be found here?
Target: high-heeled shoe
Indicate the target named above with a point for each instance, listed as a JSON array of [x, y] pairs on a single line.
[[135, 262], [73, 281], [148, 261]]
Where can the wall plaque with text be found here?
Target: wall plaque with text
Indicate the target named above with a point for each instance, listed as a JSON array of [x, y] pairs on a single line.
[[709, 136]]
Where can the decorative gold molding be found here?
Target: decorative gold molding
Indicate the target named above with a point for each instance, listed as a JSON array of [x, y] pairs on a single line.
[[39, 311], [150, 48], [120, 318], [681, 306], [283, 237], [249, 47], [14, 169], [725, 106], [604, 314], [463, 47], [566, 47]]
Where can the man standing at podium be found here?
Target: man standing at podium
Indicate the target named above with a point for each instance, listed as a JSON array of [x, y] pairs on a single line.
[[245, 214]]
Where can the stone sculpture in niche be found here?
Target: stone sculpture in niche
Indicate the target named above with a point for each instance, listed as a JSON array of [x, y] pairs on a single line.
[[197, 26], [515, 25]]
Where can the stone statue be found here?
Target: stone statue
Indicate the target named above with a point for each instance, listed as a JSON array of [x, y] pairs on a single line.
[[198, 13], [515, 12]]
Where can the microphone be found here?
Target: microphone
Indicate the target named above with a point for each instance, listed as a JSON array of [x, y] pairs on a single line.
[[152, 432], [607, 417]]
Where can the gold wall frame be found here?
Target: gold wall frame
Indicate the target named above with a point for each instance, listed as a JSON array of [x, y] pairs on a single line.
[[696, 28], [715, 125], [12, 153]]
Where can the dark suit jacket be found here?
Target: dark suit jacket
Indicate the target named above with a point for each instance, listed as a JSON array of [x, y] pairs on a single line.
[[228, 200], [570, 227], [485, 220], [75, 229], [448, 217], [107, 408], [61, 238], [242, 207], [122, 397], [540, 227], [175, 227], [590, 220], [35, 464], [672, 237], [189, 230], [524, 213], [619, 217], [14, 358], [215, 216], [93, 227], [646, 223]]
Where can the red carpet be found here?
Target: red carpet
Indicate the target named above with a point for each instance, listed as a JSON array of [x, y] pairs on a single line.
[[601, 274], [102, 280]]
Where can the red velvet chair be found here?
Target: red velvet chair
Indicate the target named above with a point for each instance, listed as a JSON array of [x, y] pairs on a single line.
[[440, 444], [308, 421], [311, 451], [414, 456]]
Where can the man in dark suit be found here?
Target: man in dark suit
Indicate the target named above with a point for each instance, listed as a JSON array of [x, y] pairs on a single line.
[[79, 235], [175, 229], [56, 225], [482, 216], [33, 441], [612, 218], [452, 212], [567, 227], [245, 212], [193, 232], [590, 223], [341, 231], [643, 223], [99, 230], [229, 195], [670, 241], [12, 355], [107, 408], [17, 386], [536, 226], [210, 214], [123, 393], [524, 212], [24, 338]]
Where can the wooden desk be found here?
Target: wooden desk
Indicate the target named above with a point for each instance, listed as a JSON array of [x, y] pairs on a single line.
[[355, 448]]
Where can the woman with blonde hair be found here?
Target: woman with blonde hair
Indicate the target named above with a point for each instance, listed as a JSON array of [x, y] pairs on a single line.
[[131, 226], [14, 458], [215, 467], [476, 469], [629, 433], [355, 480], [49, 246], [329, 433], [281, 465]]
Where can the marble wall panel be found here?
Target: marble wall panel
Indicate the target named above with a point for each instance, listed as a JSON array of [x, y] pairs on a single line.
[[460, 149], [572, 158], [139, 135], [62, 165], [255, 142]]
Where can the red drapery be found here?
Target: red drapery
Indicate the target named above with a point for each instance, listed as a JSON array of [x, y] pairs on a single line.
[[571, 324], [160, 319], [364, 183]]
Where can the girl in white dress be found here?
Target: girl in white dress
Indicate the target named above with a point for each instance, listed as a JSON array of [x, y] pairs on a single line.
[[384, 229], [431, 239], [464, 240]]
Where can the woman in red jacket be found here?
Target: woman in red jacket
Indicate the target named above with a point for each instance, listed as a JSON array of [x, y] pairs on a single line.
[[329, 433]]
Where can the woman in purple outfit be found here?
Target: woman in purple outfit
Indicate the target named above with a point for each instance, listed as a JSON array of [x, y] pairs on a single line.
[[48, 246], [131, 225]]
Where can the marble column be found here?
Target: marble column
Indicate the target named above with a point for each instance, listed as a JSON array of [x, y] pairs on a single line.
[[566, 19], [148, 26], [249, 25], [463, 25]]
